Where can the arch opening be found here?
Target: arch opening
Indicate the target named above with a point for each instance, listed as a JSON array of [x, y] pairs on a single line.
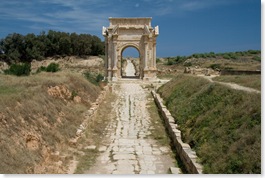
[[130, 62]]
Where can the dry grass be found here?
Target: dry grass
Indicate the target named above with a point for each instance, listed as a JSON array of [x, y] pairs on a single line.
[[242, 63], [158, 131], [27, 109], [238, 64], [94, 134], [252, 81]]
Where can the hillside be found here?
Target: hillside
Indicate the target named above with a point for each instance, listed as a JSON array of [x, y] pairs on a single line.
[[223, 125], [244, 60], [39, 114]]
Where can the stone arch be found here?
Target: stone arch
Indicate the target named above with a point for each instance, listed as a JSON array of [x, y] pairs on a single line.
[[130, 32]]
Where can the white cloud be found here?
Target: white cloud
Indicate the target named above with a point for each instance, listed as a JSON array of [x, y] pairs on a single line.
[[91, 15], [70, 15]]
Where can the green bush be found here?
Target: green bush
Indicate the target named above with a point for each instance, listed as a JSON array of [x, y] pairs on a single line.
[[170, 61], [226, 56], [158, 60], [52, 67], [253, 52], [94, 78], [256, 58], [40, 69], [22, 69], [187, 64], [215, 66], [99, 78], [73, 94]]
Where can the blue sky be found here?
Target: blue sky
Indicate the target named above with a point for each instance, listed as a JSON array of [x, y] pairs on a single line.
[[185, 26]]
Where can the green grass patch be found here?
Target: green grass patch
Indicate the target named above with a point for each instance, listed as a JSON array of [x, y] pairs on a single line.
[[223, 125], [6, 90], [94, 78]]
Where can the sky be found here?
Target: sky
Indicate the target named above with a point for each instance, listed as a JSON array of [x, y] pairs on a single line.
[[185, 26]]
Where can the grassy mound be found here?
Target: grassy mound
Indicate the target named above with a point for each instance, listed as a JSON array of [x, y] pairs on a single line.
[[223, 125], [38, 115]]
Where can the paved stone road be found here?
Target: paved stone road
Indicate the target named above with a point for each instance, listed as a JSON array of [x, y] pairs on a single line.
[[130, 70], [128, 149]]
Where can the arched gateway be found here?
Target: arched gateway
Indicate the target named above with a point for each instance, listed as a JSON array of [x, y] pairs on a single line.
[[130, 32]]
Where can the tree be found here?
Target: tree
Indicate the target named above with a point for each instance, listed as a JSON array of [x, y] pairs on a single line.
[[19, 48]]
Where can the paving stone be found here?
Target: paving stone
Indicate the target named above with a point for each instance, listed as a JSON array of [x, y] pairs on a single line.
[[150, 172], [164, 149], [102, 148], [123, 156], [91, 147], [156, 153]]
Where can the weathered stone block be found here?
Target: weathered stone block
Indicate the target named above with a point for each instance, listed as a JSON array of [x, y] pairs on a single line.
[[171, 119], [175, 170]]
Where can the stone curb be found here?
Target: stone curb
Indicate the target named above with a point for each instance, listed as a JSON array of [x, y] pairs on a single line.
[[186, 154], [90, 113]]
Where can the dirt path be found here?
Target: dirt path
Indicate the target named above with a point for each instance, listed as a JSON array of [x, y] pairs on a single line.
[[232, 85], [128, 147]]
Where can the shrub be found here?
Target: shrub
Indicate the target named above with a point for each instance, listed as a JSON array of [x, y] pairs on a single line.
[[187, 64], [253, 52], [73, 94], [99, 78], [52, 67], [233, 56], [215, 66], [256, 58], [93, 78], [22, 69], [170, 62], [226, 56], [40, 69], [158, 60]]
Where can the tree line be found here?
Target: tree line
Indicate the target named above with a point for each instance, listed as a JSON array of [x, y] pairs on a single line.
[[254, 54], [24, 48]]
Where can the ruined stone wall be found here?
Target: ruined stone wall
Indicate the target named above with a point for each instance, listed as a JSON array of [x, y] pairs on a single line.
[[184, 151], [90, 113]]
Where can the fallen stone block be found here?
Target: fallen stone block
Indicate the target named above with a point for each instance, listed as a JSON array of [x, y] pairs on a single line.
[[175, 170]]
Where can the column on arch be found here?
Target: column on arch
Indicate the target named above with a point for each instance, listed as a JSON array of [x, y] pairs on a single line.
[[145, 55], [154, 55], [109, 56], [114, 55]]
